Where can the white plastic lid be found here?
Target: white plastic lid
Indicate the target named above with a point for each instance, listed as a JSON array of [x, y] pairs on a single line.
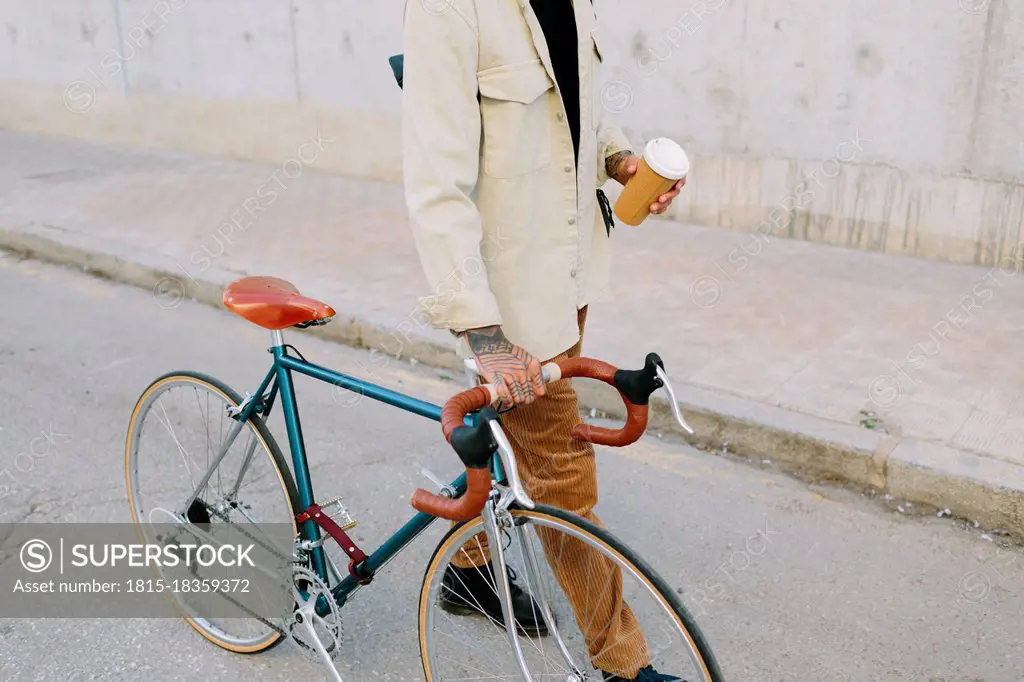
[[667, 158]]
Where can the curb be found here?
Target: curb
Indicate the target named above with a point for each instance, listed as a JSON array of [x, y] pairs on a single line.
[[810, 448]]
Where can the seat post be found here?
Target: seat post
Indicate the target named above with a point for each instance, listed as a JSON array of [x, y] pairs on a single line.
[[276, 338]]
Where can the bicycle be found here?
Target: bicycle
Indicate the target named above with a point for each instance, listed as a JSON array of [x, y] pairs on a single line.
[[247, 482]]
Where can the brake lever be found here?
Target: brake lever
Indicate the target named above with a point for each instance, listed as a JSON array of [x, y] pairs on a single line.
[[676, 412], [508, 463]]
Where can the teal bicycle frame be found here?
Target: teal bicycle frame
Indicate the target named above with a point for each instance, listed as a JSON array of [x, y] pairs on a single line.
[[279, 380]]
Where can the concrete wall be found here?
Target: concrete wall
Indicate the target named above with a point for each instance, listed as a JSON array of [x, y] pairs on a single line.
[[246, 78], [881, 124]]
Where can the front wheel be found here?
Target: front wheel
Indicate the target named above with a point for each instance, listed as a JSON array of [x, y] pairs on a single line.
[[613, 615]]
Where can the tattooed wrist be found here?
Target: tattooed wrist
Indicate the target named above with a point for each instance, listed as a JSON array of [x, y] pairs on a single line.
[[613, 165], [513, 372], [488, 340]]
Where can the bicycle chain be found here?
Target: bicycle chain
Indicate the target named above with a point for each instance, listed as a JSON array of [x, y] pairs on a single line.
[[253, 614], [272, 550]]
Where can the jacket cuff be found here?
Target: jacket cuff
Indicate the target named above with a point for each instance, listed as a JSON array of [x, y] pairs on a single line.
[[460, 311]]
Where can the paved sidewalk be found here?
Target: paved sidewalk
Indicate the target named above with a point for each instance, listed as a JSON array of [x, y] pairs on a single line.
[[837, 338]]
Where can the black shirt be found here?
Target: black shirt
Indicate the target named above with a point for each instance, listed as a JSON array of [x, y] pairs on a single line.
[[558, 20]]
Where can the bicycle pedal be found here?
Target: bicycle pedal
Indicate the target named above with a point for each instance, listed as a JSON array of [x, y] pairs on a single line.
[[340, 515]]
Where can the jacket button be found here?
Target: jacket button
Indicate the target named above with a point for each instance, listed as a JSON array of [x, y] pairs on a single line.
[[572, 273], [561, 116], [572, 221], [568, 169]]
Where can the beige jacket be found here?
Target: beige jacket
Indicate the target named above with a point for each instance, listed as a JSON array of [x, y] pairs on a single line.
[[507, 231]]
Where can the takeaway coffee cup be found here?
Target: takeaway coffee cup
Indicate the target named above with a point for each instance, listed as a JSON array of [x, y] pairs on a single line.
[[664, 163]]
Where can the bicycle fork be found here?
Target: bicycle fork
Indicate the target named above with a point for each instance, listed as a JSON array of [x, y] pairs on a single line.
[[496, 518]]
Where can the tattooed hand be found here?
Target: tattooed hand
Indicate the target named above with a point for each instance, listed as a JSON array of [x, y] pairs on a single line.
[[511, 370], [622, 166]]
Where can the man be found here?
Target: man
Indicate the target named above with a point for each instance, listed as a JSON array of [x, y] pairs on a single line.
[[504, 148]]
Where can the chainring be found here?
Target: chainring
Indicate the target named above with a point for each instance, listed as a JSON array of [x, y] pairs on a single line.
[[328, 626]]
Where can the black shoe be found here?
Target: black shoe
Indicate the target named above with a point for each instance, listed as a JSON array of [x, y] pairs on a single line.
[[467, 591], [648, 674]]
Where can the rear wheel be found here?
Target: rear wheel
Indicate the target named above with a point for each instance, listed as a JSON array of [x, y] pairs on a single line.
[[178, 427], [625, 616]]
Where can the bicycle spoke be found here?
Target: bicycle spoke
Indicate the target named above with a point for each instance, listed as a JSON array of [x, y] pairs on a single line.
[[590, 622], [186, 458], [498, 625], [449, 619], [533, 605], [483, 677]]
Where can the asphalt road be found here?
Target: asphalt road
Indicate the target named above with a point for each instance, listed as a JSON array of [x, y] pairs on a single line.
[[848, 588]]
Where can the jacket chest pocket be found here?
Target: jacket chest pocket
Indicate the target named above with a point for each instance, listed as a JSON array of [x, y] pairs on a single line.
[[515, 114]]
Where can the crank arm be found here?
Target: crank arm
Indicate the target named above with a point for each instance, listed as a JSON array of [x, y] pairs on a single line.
[[308, 614]]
